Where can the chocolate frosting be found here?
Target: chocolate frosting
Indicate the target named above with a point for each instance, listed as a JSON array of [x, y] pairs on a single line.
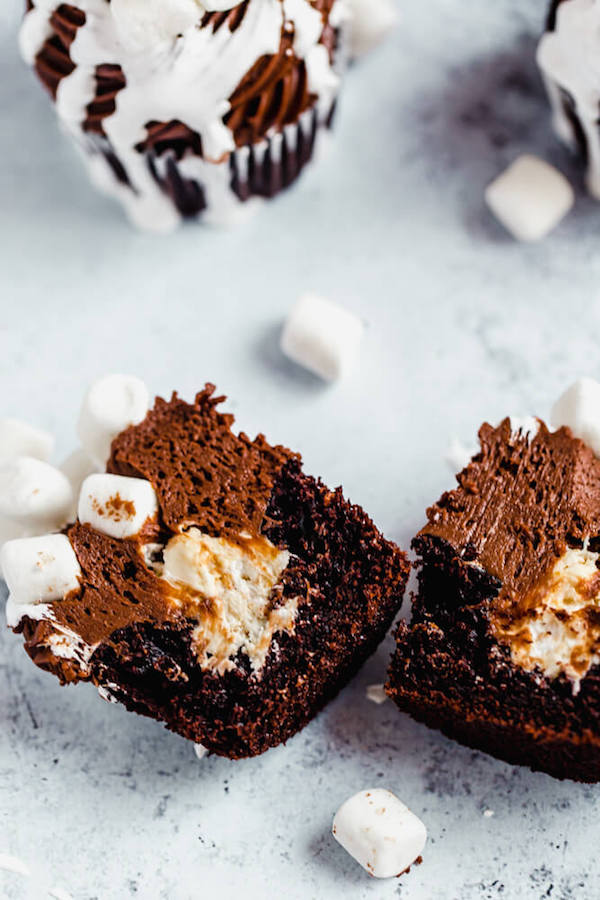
[[271, 95], [202, 472], [520, 503], [204, 475], [118, 588]]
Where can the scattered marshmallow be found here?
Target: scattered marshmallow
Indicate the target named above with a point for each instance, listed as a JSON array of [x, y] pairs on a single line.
[[141, 24], [111, 404], [34, 495], [376, 693], [21, 439], [322, 336], [579, 410], [380, 832], [488, 813], [200, 750], [530, 198], [40, 569], [116, 505], [459, 455], [371, 22]]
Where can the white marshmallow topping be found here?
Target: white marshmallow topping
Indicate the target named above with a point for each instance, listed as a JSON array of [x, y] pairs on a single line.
[[111, 404]]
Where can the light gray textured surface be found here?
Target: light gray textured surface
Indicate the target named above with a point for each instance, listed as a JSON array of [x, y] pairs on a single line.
[[464, 325]]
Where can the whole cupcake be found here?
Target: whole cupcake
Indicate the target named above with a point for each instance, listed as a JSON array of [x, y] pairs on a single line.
[[569, 57], [182, 110]]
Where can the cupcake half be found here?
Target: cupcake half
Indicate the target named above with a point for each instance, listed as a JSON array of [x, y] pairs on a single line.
[[182, 111], [207, 582]]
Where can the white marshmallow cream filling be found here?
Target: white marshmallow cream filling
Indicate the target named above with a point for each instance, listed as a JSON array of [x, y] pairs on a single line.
[[557, 628], [229, 588]]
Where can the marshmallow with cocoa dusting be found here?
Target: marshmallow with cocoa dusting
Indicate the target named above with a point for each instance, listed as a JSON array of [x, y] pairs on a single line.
[[39, 570], [117, 505], [111, 404], [380, 832]]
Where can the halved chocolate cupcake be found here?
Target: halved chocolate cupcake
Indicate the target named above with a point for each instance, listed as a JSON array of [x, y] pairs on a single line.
[[208, 583], [503, 650], [185, 109]]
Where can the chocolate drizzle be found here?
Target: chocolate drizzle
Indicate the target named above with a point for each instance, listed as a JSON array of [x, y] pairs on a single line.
[[272, 94], [53, 62]]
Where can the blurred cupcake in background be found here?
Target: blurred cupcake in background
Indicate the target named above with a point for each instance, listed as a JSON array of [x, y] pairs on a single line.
[[569, 57], [186, 110]]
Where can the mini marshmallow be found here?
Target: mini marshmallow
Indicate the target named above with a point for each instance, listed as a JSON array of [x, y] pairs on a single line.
[[376, 693], [380, 832], [371, 22], [200, 750], [530, 198], [20, 439], [10, 531], [111, 404], [34, 494], [322, 336], [77, 466], [116, 505], [141, 24], [40, 569], [579, 410], [459, 455]]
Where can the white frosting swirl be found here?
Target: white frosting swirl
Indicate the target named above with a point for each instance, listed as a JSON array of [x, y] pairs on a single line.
[[144, 23]]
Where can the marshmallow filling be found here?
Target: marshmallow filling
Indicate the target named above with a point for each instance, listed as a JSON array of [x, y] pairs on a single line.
[[230, 588], [555, 629]]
